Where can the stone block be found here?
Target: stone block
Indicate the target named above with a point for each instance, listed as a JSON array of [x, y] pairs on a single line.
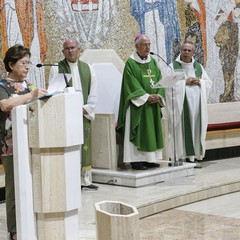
[[55, 121], [116, 221], [56, 179], [104, 153]]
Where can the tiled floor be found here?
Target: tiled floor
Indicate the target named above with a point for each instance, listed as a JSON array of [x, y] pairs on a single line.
[[213, 219]]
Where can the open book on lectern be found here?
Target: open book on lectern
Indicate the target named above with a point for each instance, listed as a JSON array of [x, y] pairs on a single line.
[[58, 83], [171, 79]]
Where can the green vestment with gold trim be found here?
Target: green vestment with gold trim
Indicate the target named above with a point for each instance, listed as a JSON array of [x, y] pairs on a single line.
[[145, 120]]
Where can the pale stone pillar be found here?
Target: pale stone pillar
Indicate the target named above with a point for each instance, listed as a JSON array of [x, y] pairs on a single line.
[[25, 216]]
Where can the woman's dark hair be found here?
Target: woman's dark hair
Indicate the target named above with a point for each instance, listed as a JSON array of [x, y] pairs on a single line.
[[14, 54]]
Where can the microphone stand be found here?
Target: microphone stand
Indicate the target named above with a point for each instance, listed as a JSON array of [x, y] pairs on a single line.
[[175, 162], [57, 65], [152, 53], [64, 75]]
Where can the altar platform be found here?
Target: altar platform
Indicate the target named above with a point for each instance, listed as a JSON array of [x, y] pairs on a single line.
[[136, 178]]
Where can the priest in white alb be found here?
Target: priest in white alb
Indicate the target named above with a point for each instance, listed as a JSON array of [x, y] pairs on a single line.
[[82, 79], [186, 103]]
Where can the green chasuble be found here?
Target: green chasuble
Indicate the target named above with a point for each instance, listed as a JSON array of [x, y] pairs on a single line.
[[85, 76], [145, 120], [189, 146]]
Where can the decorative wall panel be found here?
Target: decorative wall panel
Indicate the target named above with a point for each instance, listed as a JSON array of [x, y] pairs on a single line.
[[112, 24]]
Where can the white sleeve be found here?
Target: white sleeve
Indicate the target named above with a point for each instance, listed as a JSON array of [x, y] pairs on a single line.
[[206, 82], [92, 97], [140, 100]]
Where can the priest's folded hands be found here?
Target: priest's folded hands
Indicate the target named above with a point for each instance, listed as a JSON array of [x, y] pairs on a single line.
[[154, 98], [193, 81]]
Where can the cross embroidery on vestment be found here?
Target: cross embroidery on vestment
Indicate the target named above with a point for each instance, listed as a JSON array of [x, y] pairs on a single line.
[[149, 75]]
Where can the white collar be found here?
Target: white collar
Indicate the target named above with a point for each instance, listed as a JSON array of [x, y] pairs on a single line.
[[72, 64], [136, 58], [181, 62]]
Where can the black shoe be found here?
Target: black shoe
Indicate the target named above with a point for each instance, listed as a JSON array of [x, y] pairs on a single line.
[[13, 236], [138, 166], [124, 166], [151, 165], [197, 163], [90, 187], [2, 195]]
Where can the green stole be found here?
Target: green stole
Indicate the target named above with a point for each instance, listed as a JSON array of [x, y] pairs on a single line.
[[85, 76], [185, 118]]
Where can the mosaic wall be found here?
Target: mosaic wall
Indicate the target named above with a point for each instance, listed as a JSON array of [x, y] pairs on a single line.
[[212, 24]]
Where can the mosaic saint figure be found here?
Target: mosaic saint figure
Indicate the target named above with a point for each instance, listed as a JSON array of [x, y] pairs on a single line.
[[227, 40], [91, 21], [164, 20], [19, 19]]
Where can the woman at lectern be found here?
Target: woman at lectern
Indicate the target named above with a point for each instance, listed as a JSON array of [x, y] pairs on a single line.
[[14, 91]]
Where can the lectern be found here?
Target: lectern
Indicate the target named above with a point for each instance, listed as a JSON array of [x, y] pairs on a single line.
[[169, 83], [47, 136]]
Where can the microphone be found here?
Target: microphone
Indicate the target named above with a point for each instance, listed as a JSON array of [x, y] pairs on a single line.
[[49, 64], [152, 53]]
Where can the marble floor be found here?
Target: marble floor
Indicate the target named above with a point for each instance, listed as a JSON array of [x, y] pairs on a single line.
[[213, 219], [163, 209]]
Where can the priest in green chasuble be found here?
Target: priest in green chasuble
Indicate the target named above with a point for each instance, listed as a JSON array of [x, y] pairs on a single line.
[[83, 79], [139, 118]]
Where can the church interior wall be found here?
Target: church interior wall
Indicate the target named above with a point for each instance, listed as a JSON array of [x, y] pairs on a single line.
[[212, 25]]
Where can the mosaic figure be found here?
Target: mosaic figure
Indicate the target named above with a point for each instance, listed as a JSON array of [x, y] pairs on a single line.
[[84, 5], [167, 14], [237, 81], [195, 35], [23, 22], [91, 21], [196, 26], [227, 40]]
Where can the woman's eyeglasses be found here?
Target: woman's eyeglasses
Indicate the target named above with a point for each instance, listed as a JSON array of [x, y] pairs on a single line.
[[25, 63]]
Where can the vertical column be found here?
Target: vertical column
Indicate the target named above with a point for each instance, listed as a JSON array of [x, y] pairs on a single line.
[[26, 220]]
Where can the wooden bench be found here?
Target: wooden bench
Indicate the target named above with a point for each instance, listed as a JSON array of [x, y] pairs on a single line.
[[223, 125]]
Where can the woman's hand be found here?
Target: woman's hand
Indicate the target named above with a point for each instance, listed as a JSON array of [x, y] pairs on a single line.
[[6, 105], [38, 93]]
